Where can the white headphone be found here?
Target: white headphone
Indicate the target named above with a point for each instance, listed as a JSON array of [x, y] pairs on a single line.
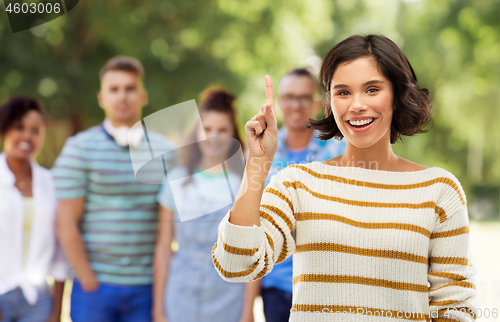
[[123, 135]]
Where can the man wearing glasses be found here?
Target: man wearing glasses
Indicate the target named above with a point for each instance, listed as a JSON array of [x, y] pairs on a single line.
[[296, 145]]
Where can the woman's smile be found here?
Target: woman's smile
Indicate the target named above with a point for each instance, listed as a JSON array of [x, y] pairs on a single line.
[[361, 125]]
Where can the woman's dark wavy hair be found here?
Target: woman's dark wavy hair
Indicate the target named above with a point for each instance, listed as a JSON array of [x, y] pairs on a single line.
[[214, 99], [15, 108], [411, 104]]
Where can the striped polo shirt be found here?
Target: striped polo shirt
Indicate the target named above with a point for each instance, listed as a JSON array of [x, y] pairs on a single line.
[[119, 225]]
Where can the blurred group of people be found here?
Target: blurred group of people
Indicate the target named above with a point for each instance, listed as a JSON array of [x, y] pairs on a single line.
[[91, 220]]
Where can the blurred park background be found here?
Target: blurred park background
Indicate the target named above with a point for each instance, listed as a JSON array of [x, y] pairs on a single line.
[[185, 46]]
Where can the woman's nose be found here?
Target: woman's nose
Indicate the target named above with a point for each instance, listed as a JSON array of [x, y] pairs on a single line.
[[210, 134], [27, 135], [357, 105]]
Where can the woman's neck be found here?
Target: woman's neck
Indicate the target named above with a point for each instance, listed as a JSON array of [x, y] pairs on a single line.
[[20, 168], [377, 157]]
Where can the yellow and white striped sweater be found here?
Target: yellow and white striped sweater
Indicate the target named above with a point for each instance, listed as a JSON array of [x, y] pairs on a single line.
[[368, 245]]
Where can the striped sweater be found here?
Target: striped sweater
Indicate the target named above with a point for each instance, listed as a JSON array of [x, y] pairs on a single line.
[[368, 244]]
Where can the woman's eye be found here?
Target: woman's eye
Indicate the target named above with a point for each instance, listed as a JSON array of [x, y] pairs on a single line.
[[372, 90], [343, 93]]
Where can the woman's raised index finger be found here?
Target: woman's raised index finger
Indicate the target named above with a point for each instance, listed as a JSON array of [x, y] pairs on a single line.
[[269, 90]]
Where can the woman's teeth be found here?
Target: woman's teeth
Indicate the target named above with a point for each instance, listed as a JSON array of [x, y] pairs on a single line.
[[24, 146], [361, 122]]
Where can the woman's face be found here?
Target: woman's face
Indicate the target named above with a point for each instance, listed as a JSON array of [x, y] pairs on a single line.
[[25, 137], [215, 124], [362, 102]]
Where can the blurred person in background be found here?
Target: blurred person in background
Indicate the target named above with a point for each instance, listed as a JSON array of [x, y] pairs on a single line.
[[107, 219], [29, 251], [297, 144], [187, 286]]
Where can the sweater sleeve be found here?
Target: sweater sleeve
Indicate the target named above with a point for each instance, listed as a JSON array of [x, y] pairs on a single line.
[[242, 253], [451, 274]]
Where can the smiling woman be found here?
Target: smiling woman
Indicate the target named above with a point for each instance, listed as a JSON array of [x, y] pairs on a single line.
[[361, 106], [20, 113], [27, 213], [373, 64], [387, 237]]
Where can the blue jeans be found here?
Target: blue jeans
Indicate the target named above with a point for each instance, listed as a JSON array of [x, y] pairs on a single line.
[[277, 304], [111, 303], [15, 308]]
